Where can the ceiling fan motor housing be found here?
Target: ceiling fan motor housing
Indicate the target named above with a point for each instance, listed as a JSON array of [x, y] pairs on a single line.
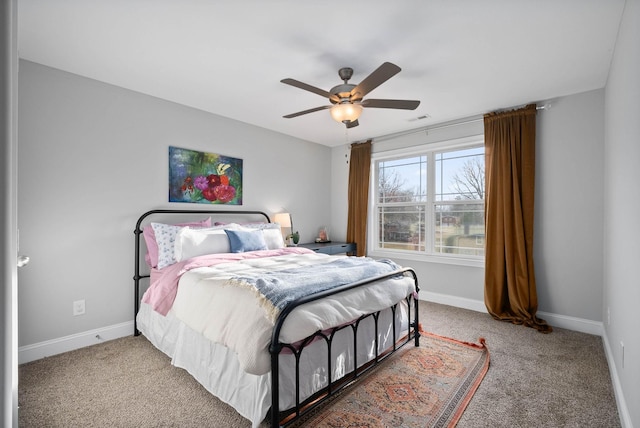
[[343, 92]]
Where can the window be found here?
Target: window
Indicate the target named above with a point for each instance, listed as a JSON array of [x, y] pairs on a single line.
[[430, 203]]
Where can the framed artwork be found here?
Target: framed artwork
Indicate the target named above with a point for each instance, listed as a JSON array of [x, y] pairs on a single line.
[[204, 178]]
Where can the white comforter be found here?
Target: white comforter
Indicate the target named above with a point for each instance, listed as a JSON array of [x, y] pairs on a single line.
[[232, 316]]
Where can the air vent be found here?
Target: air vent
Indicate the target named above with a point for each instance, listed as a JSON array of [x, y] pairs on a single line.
[[424, 116]]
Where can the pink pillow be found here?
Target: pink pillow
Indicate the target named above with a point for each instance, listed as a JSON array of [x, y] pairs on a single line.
[[152, 246]]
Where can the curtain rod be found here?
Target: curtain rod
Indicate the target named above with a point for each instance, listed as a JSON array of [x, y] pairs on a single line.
[[471, 119]]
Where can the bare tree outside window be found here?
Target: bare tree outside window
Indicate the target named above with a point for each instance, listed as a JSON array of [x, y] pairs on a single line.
[[469, 182], [391, 188]]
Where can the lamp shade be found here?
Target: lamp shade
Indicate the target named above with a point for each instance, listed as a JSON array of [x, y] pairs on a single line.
[[283, 219], [346, 112]]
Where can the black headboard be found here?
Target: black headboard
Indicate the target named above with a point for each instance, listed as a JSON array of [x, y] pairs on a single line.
[[165, 215]]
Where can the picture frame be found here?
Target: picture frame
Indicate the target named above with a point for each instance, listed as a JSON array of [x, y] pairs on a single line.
[[204, 178], [323, 235]]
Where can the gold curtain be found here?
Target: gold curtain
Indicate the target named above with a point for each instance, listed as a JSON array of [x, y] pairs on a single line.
[[359, 168], [510, 284]]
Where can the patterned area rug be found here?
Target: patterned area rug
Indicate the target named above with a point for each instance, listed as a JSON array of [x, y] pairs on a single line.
[[428, 386]]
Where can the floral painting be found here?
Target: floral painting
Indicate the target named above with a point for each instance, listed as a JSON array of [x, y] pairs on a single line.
[[204, 178]]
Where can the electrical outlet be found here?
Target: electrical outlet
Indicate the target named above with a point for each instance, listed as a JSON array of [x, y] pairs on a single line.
[[78, 308], [622, 349]]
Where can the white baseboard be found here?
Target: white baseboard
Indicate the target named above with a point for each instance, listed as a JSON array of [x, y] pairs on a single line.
[[571, 323], [561, 321], [458, 302], [75, 341], [623, 410]]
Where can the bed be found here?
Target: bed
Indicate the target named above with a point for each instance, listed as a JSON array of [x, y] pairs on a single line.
[[269, 329]]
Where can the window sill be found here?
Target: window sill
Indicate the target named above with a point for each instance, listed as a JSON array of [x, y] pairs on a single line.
[[429, 258]]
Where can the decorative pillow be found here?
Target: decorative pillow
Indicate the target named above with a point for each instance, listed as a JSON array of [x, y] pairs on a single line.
[[166, 238], [242, 241], [198, 242], [152, 246], [273, 238], [272, 233]]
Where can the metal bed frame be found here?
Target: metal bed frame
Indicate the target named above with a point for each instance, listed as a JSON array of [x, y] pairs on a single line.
[[287, 417]]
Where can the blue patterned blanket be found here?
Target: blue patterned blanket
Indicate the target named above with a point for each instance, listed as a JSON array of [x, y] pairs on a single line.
[[279, 288]]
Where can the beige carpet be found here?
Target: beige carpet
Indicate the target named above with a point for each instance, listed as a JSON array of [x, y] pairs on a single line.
[[552, 380]]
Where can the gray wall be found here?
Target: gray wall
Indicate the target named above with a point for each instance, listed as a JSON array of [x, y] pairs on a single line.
[[93, 157], [568, 231], [568, 219], [621, 209]]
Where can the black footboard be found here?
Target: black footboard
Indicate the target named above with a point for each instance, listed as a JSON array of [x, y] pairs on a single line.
[[301, 408]]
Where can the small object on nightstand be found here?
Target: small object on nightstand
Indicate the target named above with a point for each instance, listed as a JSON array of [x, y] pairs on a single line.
[[323, 236]]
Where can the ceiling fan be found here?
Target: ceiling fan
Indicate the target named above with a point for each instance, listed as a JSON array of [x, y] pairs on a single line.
[[347, 99]]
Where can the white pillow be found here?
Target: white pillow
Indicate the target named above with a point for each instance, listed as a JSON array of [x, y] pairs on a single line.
[[273, 238], [271, 231], [198, 242]]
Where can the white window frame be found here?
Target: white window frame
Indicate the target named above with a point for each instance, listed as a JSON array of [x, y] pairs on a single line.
[[428, 255]]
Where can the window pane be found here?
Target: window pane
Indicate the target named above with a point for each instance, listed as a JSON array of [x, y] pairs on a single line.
[[460, 175], [435, 212], [402, 228], [459, 229], [402, 180]]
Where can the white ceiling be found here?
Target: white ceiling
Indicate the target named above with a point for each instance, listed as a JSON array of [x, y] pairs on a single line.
[[460, 58]]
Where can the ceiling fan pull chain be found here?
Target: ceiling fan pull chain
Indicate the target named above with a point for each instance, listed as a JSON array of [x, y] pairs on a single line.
[[347, 152]]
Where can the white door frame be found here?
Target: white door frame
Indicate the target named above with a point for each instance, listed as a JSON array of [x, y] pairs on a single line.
[[9, 212]]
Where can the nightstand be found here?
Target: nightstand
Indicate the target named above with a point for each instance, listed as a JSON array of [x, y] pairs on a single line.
[[331, 247]]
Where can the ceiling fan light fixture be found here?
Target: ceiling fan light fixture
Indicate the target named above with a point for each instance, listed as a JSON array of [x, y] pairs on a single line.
[[346, 112]]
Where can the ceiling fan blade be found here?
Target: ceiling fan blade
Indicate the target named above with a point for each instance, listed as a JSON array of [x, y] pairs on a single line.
[[307, 87], [311, 110], [383, 73], [352, 124], [399, 104]]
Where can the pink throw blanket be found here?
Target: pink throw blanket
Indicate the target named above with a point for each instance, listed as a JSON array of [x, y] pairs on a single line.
[[164, 283]]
